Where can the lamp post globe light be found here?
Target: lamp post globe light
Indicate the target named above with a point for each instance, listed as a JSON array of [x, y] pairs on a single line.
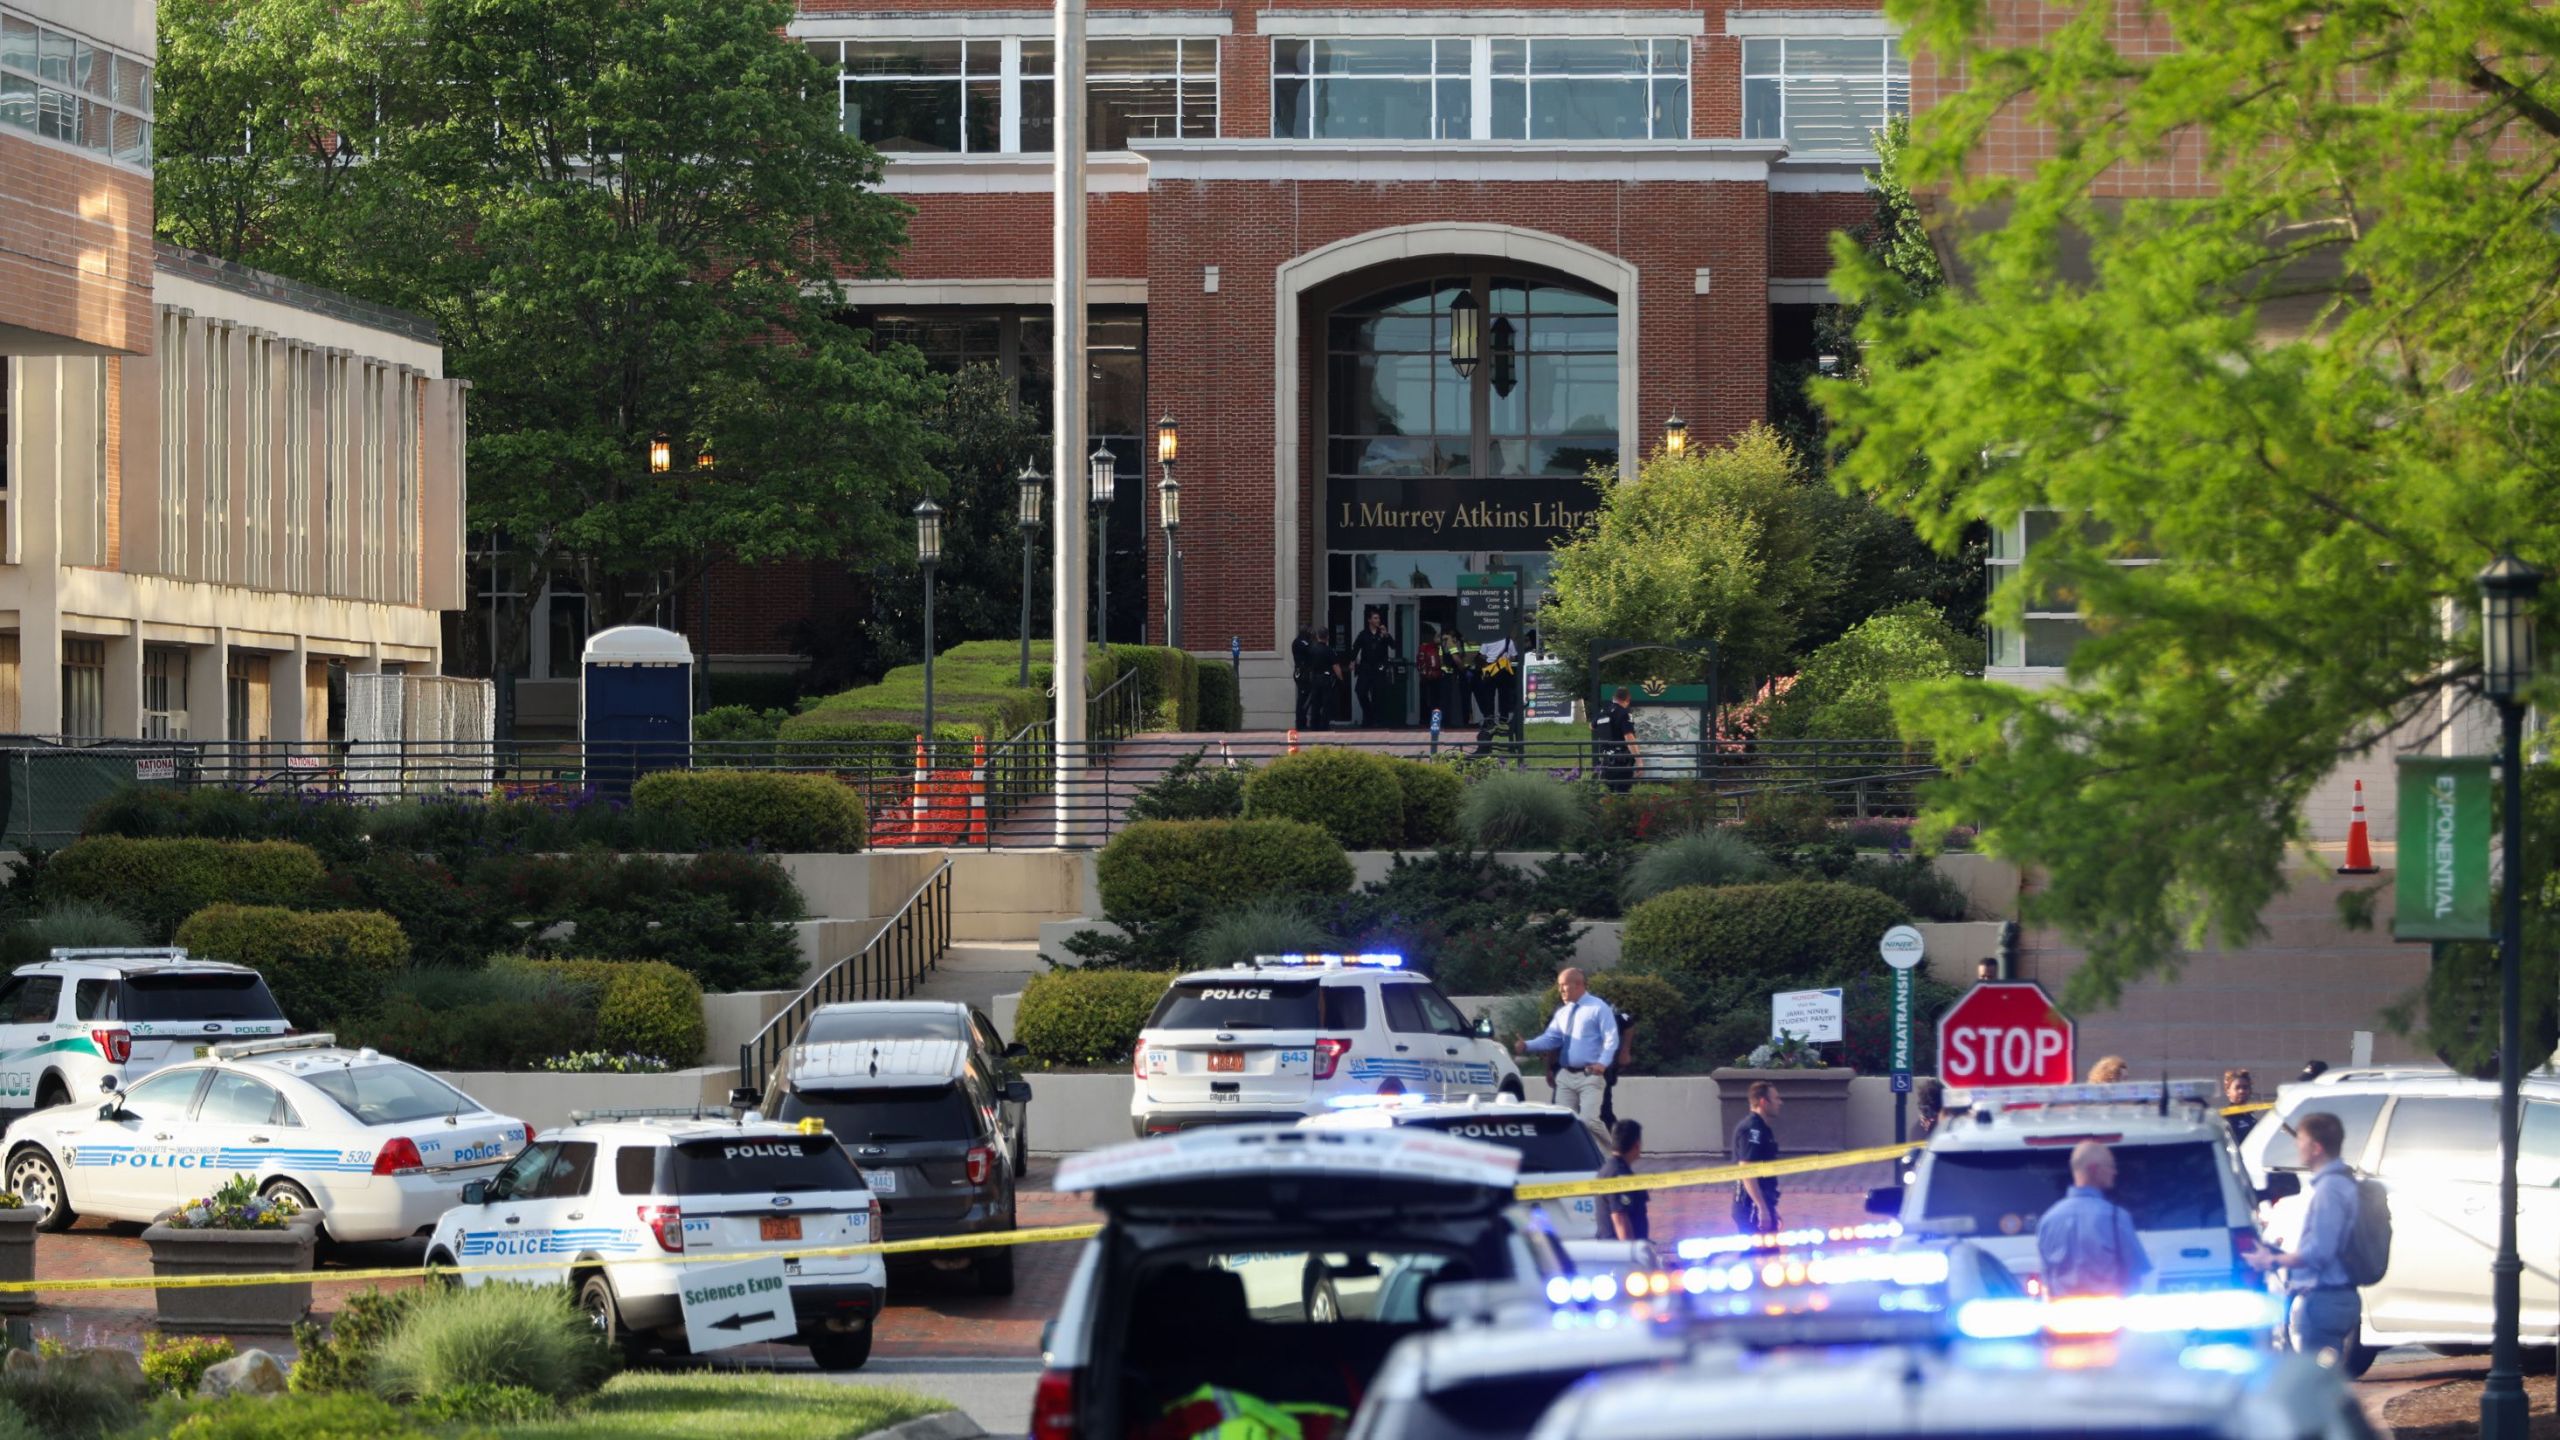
[[928, 555], [2508, 589], [661, 454], [1466, 334], [1031, 489], [1675, 436], [1169, 512], [702, 465], [1106, 484]]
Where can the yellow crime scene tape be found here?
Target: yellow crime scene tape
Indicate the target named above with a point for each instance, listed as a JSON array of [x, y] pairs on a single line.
[[1034, 1235]]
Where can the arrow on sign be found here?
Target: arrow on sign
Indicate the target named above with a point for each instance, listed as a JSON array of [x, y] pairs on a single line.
[[741, 1322]]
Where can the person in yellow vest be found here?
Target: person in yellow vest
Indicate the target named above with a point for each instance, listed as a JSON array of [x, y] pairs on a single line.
[[1214, 1412]]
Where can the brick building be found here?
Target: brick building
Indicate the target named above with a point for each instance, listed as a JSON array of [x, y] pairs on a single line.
[[1295, 207], [219, 489]]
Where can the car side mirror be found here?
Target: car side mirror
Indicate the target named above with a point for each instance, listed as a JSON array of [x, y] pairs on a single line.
[[476, 1193], [2281, 1185], [1484, 1027], [1017, 1051], [109, 1084], [744, 1097], [1018, 1092], [1885, 1200]]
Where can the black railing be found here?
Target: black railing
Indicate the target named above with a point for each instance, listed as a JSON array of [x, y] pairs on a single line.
[[1119, 712], [889, 968]]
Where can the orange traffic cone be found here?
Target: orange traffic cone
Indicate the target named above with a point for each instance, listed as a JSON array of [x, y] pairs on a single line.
[[2359, 842], [1293, 740]]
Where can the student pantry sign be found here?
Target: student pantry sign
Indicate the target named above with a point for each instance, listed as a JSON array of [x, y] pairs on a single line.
[[2443, 887]]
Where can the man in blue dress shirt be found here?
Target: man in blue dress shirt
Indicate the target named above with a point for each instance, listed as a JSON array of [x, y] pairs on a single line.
[[2086, 1242], [2324, 1314], [1585, 1031]]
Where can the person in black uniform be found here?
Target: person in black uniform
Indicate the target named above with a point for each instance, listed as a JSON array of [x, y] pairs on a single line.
[[1614, 734], [1622, 1216], [1304, 678], [1320, 681], [1371, 653], [1755, 1197]]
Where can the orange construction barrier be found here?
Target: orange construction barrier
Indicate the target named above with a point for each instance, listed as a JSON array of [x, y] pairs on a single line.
[[2359, 842], [1293, 739]]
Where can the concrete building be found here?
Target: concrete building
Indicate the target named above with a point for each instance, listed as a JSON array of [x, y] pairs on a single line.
[[219, 487]]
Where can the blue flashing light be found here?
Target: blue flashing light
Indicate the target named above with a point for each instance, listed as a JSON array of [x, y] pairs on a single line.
[[2223, 1359], [1375, 960], [1560, 1290], [2191, 1312], [1707, 1246]]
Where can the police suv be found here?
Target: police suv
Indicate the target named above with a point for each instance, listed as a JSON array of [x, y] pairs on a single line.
[[2000, 1157], [68, 1023], [610, 1200], [1553, 1143], [1281, 1038], [379, 1147]]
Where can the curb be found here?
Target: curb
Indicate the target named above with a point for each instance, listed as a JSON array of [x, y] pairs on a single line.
[[941, 1425]]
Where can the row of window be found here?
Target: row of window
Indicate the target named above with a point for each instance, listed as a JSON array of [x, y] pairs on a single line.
[[999, 96], [62, 87]]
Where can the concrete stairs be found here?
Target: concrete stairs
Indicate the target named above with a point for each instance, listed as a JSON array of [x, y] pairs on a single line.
[[975, 972]]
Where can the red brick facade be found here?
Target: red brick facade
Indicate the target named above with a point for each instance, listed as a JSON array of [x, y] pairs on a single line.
[[75, 250]]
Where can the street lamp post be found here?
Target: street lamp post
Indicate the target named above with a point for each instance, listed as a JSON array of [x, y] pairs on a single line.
[[928, 555], [1030, 484], [702, 464], [1675, 436], [2507, 592], [1169, 495], [1106, 483]]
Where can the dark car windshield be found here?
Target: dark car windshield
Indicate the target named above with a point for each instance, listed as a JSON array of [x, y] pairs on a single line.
[[2176, 1186], [389, 1093], [1548, 1144], [830, 1026], [164, 999], [886, 1115], [1249, 1004], [757, 1165]]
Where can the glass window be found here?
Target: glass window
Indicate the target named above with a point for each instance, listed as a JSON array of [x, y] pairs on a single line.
[[2538, 1158], [1442, 1016], [84, 688], [2449, 1139], [2356, 1114], [571, 1171], [952, 96], [390, 1093], [1590, 89], [888, 1114], [764, 1165], [34, 1002], [165, 1097], [1250, 1004], [197, 996], [1830, 92], [236, 1099], [523, 1175], [1150, 89], [635, 1169], [2173, 1186], [1549, 1144], [917, 95], [62, 87], [1372, 89], [1404, 1009], [164, 692], [872, 1023], [1346, 1007], [94, 1000]]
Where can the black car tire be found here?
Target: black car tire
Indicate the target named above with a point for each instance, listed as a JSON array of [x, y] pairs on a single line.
[[32, 1173], [2359, 1358], [440, 1264], [995, 1271], [835, 1350], [596, 1298]]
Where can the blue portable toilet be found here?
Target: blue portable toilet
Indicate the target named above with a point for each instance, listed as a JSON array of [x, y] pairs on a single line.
[[635, 705]]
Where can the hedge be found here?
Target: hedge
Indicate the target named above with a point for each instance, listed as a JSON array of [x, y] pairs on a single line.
[[162, 882], [1079, 1018], [644, 1007], [1171, 684], [1431, 796], [1356, 796], [1221, 697], [1166, 871], [323, 965], [762, 809], [1712, 942]]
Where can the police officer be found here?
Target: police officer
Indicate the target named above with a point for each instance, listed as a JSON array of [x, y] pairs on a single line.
[[1613, 733], [2086, 1242], [1622, 1216], [1755, 1197], [1320, 679], [1299, 672], [1372, 653]]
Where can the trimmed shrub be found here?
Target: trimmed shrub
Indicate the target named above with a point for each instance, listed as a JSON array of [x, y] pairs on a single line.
[[1221, 698], [1192, 790], [1656, 1015], [1357, 796], [174, 1366], [1170, 871], [1707, 857], [504, 1334], [1086, 1018], [1274, 925], [643, 1007], [738, 809], [1584, 885], [1720, 946], [162, 882], [1431, 795], [323, 965], [1522, 810], [66, 923], [506, 1017], [1171, 686], [1494, 961], [741, 734], [340, 1355]]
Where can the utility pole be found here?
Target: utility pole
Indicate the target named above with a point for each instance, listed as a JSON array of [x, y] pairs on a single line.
[[1067, 415]]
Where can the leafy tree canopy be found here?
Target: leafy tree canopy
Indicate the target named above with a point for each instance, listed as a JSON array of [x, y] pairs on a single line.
[[626, 216], [1845, 690], [2319, 387]]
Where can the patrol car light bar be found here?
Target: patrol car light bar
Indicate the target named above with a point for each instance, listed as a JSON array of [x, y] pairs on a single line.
[[2037, 1097], [1702, 1247], [1376, 960], [2190, 1311], [1906, 1268], [242, 1049]]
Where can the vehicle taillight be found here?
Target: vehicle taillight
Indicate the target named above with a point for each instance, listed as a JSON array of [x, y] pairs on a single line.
[[116, 1045], [667, 1223], [1329, 1052], [528, 1135], [397, 1156], [1138, 1060], [878, 1229], [1053, 1406], [981, 1160]]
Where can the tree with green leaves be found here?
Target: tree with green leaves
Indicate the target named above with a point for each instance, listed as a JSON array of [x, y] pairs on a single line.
[[1845, 690], [627, 217], [2318, 386]]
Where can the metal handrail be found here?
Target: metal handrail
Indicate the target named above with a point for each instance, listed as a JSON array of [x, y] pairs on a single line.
[[1119, 711], [889, 968]]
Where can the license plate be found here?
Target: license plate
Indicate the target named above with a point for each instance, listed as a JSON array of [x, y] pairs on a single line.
[[790, 1267], [778, 1227], [1226, 1062], [883, 1181]]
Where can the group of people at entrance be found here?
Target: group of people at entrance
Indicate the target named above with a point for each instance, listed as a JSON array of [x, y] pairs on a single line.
[[1451, 677]]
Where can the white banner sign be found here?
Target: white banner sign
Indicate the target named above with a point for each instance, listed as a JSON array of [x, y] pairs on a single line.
[[747, 1303], [1806, 1014]]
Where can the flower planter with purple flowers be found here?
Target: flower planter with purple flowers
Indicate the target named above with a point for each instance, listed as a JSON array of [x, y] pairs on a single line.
[[234, 1231]]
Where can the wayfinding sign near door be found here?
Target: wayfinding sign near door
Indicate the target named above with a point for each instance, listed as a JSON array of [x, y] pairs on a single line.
[[2005, 1033], [1484, 604]]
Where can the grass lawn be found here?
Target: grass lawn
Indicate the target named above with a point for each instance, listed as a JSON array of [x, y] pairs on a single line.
[[730, 1407]]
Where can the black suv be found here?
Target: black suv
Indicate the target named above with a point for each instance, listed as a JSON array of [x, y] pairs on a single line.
[[931, 1106]]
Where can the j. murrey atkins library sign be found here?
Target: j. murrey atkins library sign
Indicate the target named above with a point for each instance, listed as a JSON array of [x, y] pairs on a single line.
[[1456, 513]]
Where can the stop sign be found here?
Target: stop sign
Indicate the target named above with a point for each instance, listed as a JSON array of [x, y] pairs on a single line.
[[2005, 1033]]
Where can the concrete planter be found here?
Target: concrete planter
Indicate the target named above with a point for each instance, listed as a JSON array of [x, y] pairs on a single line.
[[233, 1309], [1817, 1114], [18, 1258]]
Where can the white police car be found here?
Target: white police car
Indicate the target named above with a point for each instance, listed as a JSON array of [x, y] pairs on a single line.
[[611, 1196], [1553, 1144], [1279, 1039], [379, 1147], [68, 1023]]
